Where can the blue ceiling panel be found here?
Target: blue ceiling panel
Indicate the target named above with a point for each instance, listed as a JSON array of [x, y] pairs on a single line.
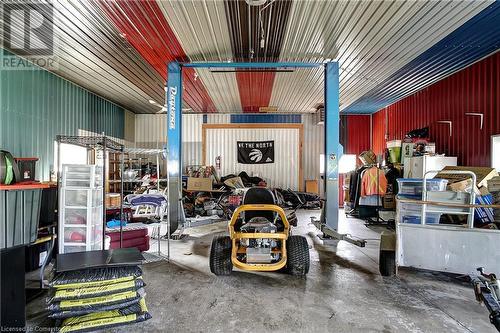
[[474, 40]]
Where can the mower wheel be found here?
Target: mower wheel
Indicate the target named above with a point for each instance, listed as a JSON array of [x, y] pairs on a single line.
[[297, 251], [220, 256]]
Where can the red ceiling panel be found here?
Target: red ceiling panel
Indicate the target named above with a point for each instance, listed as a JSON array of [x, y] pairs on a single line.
[[255, 89], [144, 26], [476, 89], [246, 28]]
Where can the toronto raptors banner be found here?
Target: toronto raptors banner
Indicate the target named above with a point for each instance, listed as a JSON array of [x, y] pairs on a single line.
[[255, 152]]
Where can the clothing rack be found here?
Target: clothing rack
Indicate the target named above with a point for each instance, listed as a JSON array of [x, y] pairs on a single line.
[[357, 196]]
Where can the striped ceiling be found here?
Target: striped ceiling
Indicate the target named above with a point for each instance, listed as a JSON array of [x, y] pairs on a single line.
[[119, 49]]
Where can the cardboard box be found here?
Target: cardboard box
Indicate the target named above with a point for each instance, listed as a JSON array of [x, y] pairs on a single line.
[[199, 184], [389, 201], [347, 197], [483, 174], [312, 186], [113, 199], [368, 157], [494, 184]]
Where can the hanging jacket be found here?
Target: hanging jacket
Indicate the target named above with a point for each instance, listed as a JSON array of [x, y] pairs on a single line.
[[371, 178]]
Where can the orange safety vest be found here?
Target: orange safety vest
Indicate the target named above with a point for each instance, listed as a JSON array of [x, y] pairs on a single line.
[[371, 178]]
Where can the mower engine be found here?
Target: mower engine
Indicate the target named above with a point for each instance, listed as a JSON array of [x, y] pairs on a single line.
[[259, 251]]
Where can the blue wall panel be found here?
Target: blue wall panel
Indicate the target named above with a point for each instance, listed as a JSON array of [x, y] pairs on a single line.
[[266, 118]]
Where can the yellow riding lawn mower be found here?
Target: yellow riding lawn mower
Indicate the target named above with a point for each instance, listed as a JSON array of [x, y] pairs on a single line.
[[260, 239]]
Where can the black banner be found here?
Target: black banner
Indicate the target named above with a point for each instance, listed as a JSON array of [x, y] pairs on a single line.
[[255, 152]]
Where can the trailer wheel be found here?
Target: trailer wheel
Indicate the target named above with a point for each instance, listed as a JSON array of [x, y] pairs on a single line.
[[220, 256], [387, 263], [297, 251]]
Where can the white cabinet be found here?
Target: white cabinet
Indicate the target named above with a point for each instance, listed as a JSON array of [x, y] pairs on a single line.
[[416, 167], [80, 208]]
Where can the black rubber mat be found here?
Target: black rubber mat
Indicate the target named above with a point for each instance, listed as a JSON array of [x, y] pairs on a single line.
[[98, 259]]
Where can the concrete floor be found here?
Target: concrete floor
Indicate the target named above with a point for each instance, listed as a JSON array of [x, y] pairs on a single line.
[[343, 292]]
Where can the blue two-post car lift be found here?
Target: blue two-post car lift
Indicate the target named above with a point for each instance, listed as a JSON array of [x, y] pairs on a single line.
[[328, 224]]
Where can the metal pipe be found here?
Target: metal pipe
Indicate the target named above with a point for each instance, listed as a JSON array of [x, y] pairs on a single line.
[[121, 196], [158, 177], [442, 204], [103, 190]]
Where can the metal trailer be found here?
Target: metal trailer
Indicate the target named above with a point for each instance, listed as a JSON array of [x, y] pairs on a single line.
[[457, 249]]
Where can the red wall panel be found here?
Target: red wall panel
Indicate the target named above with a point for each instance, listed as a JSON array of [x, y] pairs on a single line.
[[378, 131], [355, 136], [474, 89], [358, 134]]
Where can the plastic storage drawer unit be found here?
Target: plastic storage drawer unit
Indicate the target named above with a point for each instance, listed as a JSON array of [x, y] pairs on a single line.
[[412, 187], [430, 218], [412, 213]]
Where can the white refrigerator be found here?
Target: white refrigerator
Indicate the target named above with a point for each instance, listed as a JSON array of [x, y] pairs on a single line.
[[416, 167]]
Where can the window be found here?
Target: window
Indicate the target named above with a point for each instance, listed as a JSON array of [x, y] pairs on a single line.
[[347, 163], [70, 154], [495, 152]]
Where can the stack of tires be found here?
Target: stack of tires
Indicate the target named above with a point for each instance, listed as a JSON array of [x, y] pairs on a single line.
[[98, 298]]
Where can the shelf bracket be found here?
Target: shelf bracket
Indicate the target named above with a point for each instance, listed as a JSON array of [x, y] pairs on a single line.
[[446, 122], [477, 114]]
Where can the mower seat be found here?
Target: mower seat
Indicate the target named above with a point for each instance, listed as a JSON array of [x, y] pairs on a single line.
[[259, 196]]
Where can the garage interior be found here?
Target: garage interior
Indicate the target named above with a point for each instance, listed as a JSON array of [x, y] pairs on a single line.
[[250, 165]]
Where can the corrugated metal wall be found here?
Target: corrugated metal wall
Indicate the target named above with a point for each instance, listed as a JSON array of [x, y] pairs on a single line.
[[314, 146], [217, 119], [265, 118], [358, 134], [475, 89], [150, 131], [378, 131], [37, 105], [284, 172], [191, 139]]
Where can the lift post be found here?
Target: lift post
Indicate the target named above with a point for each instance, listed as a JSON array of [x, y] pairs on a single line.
[[333, 150], [174, 143]]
